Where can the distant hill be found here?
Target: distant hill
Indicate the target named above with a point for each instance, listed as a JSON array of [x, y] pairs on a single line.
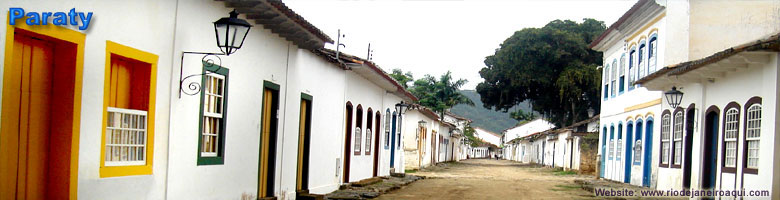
[[495, 121]]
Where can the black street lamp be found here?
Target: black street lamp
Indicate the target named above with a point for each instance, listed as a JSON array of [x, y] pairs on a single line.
[[399, 107], [674, 97], [231, 32]]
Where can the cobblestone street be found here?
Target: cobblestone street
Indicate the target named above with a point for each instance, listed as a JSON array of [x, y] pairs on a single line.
[[492, 179]]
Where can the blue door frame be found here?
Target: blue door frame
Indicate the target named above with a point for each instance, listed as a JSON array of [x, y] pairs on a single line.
[[648, 152], [392, 145], [629, 143], [603, 152], [710, 151]]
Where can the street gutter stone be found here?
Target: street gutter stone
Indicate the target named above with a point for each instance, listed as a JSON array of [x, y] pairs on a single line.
[[372, 187]]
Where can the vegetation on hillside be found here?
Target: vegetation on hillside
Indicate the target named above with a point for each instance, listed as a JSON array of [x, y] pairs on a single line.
[[491, 120]]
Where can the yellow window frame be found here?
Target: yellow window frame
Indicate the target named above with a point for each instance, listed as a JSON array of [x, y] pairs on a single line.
[[142, 56]]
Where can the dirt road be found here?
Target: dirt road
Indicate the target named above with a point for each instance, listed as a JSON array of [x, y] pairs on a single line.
[[491, 179]]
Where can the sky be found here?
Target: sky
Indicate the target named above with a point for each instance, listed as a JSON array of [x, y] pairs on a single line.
[[434, 36]]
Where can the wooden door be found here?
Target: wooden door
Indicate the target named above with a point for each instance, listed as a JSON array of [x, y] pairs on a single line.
[[377, 137], [347, 142], [35, 142], [304, 129], [268, 143], [433, 148]]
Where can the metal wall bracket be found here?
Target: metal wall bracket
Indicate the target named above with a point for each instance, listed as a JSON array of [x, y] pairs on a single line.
[[193, 87]]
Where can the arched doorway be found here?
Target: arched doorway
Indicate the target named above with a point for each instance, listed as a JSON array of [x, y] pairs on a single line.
[[629, 144], [603, 151], [647, 168], [689, 120], [710, 150], [392, 145], [347, 142]]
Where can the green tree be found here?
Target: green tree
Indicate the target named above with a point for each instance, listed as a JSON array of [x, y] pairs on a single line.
[[521, 115], [440, 94], [401, 77], [552, 67], [473, 140]]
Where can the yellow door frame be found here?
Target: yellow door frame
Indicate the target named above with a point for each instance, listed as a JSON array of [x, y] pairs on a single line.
[[78, 39]]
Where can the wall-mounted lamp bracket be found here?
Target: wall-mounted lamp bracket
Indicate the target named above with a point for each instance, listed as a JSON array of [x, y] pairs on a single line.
[[209, 60]]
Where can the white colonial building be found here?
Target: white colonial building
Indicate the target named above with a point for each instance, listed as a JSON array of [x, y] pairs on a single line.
[[634, 47], [460, 148], [420, 137], [722, 55], [511, 148], [722, 136], [144, 106]]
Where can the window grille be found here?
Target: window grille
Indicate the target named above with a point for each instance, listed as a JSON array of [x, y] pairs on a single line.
[[212, 114], [731, 129], [753, 135], [125, 137], [358, 135], [640, 58], [678, 132], [665, 138], [653, 53]]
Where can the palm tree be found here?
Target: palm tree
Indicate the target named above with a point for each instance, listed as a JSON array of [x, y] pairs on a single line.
[[440, 95]]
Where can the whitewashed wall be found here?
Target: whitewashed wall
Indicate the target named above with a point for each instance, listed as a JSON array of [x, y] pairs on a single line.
[[412, 160], [103, 27], [327, 131], [537, 125], [615, 110], [487, 136], [758, 81], [264, 56]]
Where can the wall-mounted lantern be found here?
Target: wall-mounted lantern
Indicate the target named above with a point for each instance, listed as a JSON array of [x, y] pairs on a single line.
[[399, 107], [231, 32], [674, 97]]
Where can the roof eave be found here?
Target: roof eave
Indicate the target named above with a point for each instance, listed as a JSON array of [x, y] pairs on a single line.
[[676, 74], [624, 24], [275, 16]]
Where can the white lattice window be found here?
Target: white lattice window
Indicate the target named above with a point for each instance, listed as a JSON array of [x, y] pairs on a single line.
[[631, 68], [619, 149], [387, 129], [613, 79], [678, 132], [213, 100], [125, 137], [358, 135], [611, 148], [642, 64], [368, 139], [622, 73], [730, 130], [753, 135], [653, 53], [638, 152], [665, 126]]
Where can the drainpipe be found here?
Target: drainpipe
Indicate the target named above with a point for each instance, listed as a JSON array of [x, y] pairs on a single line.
[[170, 103], [284, 120]]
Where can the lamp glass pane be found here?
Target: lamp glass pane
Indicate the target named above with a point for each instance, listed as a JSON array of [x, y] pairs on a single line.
[[238, 33], [221, 29]]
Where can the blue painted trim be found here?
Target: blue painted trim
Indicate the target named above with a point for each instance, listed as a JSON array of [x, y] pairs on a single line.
[[639, 125]]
